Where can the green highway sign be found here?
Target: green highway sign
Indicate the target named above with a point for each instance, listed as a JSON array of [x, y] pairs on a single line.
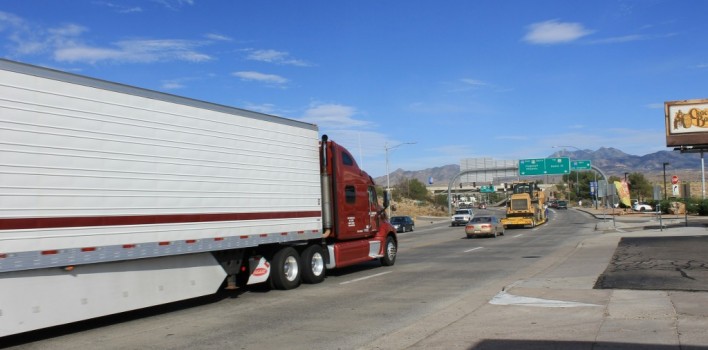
[[532, 166], [487, 189], [557, 166], [544, 166], [580, 165]]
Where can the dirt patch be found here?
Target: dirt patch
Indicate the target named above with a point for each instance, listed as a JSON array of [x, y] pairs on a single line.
[[415, 209]]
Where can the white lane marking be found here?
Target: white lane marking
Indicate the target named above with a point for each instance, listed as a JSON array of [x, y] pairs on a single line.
[[504, 298], [519, 235], [366, 278], [469, 250]]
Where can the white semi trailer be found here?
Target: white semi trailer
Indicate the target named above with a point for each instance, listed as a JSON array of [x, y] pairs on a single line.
[[115, 198]]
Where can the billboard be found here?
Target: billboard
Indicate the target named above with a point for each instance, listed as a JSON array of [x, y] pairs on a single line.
[[686, 123]]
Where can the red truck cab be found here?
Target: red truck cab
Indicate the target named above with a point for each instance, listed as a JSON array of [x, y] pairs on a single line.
[[355, 224]]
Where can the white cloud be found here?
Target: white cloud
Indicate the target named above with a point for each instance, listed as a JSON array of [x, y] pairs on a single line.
[[277, 57], [555, 32], [143, 51], [87, 54], [174, 4], [620, 39], [267, 108], [172, 85], [332, 116], [262, 77], [473, 82], [120, 8], [65, 44], [217, 37], [68, 30]]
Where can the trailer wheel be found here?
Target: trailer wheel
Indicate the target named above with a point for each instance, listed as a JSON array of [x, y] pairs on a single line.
[[390, 251], [285, 272], [313, 264]]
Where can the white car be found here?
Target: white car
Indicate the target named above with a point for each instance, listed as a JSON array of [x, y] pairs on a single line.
[[461, 217], [642, 207]]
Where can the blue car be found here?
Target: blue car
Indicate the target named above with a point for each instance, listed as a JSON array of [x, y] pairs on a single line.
[[402, 223]]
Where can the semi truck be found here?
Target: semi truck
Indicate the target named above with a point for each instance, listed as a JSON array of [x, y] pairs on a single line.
[[116, 198], [526, 205]]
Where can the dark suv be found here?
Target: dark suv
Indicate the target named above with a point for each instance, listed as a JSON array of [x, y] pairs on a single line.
[[402, 223], [562, 205]]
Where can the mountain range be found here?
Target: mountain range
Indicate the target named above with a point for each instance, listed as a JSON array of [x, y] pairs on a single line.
[[611, 160]]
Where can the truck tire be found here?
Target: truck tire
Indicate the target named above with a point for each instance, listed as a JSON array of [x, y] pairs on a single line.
[[285, 272], [313, 264], [390, 251]]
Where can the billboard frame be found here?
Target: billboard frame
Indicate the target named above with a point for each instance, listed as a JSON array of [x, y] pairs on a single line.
[[686, 123]]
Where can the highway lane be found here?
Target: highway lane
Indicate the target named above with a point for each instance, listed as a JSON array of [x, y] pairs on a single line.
[[437, 266]]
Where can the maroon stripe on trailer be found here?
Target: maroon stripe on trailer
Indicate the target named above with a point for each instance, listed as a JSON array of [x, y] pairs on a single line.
[[35, 223]]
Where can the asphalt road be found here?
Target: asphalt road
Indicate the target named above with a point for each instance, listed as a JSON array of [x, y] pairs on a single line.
[[436, 267]]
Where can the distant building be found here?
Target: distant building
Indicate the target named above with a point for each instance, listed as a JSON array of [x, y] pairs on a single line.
[[487, 170]]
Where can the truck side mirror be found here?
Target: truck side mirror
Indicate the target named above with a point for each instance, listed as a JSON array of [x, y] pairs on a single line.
[[386, 199]]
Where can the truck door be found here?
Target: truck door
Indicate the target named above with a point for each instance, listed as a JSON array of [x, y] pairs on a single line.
[[354, 209]]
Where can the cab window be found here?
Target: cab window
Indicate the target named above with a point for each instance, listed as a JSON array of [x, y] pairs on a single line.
[[347, 159], [350, 194]]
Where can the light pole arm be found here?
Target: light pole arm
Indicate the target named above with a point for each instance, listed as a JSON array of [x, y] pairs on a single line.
[[388, 174]]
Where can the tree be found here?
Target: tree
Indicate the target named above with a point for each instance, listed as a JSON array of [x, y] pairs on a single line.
[[411, 188], [639, 187]]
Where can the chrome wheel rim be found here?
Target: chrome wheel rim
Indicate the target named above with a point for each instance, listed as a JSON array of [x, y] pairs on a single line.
[[290, 268], [317, 264], [391, 250]]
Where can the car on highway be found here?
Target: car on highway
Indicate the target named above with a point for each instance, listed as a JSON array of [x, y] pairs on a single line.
[[403, 223], [461, 217], [639, 206], [484, 225]]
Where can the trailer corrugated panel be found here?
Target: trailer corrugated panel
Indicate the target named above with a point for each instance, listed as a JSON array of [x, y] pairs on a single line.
[[89, 163]]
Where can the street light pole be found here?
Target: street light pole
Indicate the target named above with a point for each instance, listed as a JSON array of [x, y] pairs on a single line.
[[665, 194], [388, 179]]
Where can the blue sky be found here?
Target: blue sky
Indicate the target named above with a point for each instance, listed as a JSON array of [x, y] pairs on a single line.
[[461, 79]]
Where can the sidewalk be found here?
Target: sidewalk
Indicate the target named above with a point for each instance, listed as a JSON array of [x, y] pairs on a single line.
[[553, 305], [617, 220]]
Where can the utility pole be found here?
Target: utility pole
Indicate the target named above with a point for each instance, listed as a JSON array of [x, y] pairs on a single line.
[[388, 179], [665, 194]]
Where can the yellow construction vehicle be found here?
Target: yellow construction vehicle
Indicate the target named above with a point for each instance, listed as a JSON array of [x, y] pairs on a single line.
[[526, 206]]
